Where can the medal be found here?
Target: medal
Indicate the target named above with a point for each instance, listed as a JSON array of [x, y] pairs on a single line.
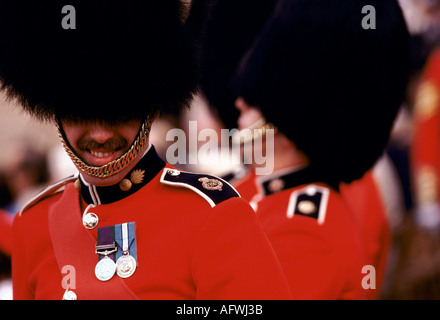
[[110, 239], [126, 264], [106, 249], [105, 269]]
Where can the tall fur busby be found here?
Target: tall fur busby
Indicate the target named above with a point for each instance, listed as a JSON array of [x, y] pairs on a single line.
[[223, 30], [331, 85], [122, 59]]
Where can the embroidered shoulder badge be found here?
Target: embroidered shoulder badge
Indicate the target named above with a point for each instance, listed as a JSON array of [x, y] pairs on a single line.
[[211, 184], [310, 201], [213, 189]]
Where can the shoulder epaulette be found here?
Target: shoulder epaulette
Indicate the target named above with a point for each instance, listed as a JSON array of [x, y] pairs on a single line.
[[310, 201], [213, 189], [48, 191]]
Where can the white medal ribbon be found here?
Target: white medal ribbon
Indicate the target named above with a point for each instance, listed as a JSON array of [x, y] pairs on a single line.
[[125, 238], [126, 264]]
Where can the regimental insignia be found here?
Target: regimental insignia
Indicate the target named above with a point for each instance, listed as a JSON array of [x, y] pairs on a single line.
[[307, 207], [310, 201], [211, 184], [136, 177], [206, 186]]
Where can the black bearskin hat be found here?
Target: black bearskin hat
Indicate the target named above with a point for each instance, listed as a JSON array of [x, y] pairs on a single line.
[[122, 60], [223, 30], [331, 86]]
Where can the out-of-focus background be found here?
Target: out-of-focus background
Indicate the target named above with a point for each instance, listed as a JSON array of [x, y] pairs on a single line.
[[31, 157]]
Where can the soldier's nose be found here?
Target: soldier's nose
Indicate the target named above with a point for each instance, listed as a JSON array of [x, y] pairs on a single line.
[[100, 133]]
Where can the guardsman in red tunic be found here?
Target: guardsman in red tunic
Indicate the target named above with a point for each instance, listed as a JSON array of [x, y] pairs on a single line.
[[325, 91], [425, 148], [364, 199], [127, 225]]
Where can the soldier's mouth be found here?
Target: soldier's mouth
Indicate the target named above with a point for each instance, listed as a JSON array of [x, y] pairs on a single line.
[[99, 158], [100, 154]]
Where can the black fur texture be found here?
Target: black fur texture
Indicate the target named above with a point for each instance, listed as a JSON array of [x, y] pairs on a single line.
[[124, 60], [331, 86], [223, 30]]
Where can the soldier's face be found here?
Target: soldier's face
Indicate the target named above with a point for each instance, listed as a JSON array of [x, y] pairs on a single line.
[[98, 143]]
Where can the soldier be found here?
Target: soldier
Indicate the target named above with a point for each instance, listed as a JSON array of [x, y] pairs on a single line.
[[425, 151], [127, 225], [329, 90]]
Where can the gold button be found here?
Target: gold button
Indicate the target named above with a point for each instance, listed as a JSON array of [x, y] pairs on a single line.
[[77, 185], [125, 185]]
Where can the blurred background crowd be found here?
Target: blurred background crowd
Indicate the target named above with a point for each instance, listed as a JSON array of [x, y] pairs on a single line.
[[31, 157]]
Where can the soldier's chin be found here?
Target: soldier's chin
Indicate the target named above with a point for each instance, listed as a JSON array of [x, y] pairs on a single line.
[[111, 180]]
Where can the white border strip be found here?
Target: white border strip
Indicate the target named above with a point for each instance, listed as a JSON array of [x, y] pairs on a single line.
[[188, 186], [185, 185]]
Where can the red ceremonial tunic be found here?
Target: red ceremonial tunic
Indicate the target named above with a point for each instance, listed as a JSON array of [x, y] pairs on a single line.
[[364, 200], [312, 232], [191, 243], [425, 147]]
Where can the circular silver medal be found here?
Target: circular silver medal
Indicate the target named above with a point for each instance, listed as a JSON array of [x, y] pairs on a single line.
[[105, 269], [125, 266]]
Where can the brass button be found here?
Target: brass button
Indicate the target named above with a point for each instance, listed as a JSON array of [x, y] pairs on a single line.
[[125, 185]]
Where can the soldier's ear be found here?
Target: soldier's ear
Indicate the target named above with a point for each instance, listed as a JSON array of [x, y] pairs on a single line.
[[241, 104]]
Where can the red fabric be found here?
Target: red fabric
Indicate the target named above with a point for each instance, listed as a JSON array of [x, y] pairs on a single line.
[[425, 147], [185, 248], [320, 261], [365, 202]]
